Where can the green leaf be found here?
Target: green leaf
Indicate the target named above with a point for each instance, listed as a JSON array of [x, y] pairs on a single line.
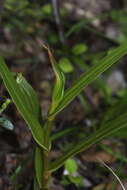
[[66, 65], [77, 180], [115, 154], [79, 49], [30, 96], [18, 98], [58, 90], [47, 9], [36, 185], [113, 112], [90, 76], [39, 166], [108, 129], [71, 166], [63, 132]]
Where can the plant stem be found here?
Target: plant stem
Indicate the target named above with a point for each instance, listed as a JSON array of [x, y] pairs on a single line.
[[47, 130], [46, 173]]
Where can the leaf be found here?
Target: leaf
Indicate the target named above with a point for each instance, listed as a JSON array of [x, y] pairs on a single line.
[[79, 49], [90, 76], [63, 132], [35, 185], [58, 90], [77, 180], [71, 166], [47, 9], [108, 129], [65, 65], [4, 122], [5, 105], [113, 112], [30, 96], [39, 166], [18, 98]]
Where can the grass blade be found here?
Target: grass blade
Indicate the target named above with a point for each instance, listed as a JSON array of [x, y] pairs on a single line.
[[108, 129]]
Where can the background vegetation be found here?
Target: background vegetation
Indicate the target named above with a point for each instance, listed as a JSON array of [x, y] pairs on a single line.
[[79, 33]]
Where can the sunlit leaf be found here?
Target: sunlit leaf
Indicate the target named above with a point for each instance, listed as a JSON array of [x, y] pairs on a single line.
[[71, 166]]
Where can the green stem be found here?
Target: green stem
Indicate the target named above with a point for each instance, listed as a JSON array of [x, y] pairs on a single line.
[[47, 132], [46, 173]]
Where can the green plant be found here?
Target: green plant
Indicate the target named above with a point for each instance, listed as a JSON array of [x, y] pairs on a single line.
[[25, 99]]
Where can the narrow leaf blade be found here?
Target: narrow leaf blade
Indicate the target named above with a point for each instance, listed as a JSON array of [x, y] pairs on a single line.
[[39, 166], [58, 90], [108, 129]]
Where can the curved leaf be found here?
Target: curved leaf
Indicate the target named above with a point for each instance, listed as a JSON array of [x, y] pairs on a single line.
[[58, 90], [18, 98]]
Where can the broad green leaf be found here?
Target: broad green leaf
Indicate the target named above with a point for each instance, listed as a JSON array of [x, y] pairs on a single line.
[[39, 166], [79, 49], [71, 166], [58, 90], [91, 75], [18, 98], [65, 65], [108, 129], [30, 96]]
